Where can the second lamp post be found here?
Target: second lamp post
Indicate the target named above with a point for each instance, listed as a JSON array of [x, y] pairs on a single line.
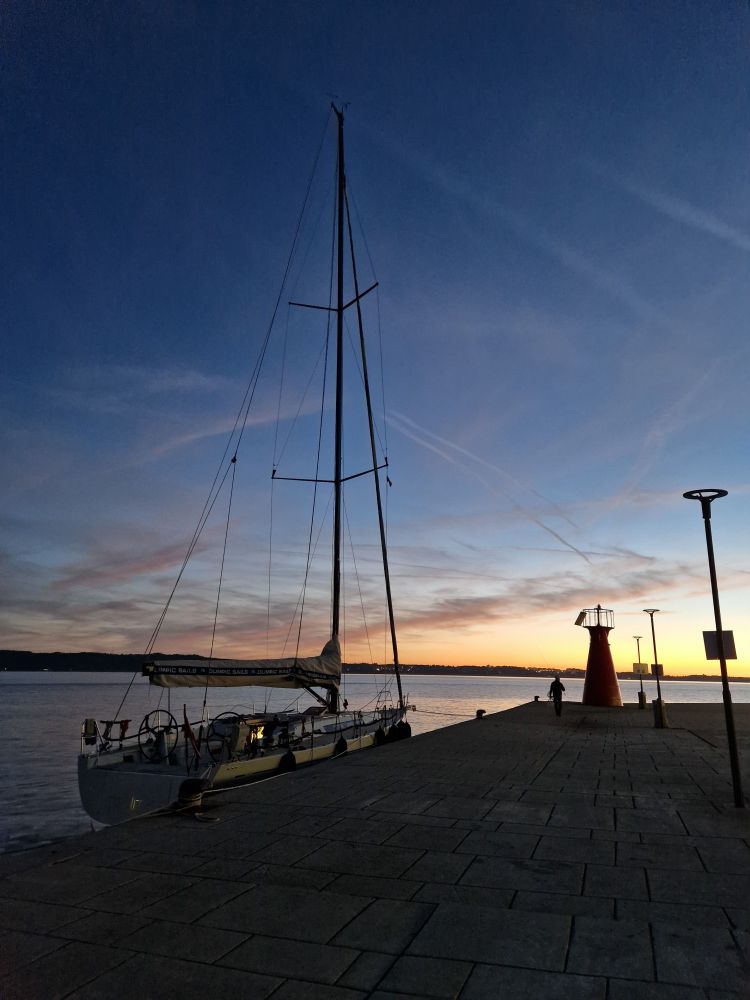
[[660, 716]]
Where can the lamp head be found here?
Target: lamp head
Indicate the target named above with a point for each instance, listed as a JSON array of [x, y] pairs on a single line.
[[710, 494]]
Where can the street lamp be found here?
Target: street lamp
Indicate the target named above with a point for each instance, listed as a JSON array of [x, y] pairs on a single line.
[[706, 498], [660, 721], [642, 697]]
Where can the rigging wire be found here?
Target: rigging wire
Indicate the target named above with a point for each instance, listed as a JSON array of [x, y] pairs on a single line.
[[350, 191], [355, 355], [356, 576], [301, 404], [324, 204], [234, 442], [190, 549], [281, 384], [315, 549], [447, 715], [323, 354], [383, 538], [221, 579], [249, 392], [287, 269], [385, 599], [271, 498], [193, 542], [244, 410], [318, 450], [270, 564]]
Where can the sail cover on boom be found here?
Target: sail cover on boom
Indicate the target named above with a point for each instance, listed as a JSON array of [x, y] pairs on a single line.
[[291, 672]]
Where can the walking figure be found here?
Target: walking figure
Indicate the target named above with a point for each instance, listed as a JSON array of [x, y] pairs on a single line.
[[556, 689]]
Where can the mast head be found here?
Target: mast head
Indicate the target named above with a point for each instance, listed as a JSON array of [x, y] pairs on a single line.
[[340, 109]]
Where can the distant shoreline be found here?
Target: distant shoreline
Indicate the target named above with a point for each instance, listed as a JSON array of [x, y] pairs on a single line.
[[26, 661]]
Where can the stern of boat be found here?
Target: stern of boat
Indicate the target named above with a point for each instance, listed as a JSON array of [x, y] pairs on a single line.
[[116, 793]]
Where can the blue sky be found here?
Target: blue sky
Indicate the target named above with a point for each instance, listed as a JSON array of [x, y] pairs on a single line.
[[556, 202]]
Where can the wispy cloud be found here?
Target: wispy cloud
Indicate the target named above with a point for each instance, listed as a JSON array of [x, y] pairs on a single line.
[[420, 435], [534, 235], [491, 466], [672, 419], [117, 389], [676, 208], [573, 260], [615, 586], [108, 566]]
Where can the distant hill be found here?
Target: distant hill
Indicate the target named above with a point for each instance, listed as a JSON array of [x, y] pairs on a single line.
[[20, 659], [16, 659]]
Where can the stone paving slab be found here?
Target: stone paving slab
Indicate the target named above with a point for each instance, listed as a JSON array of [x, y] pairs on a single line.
[[589, 857], [480, 934], [492, 981]]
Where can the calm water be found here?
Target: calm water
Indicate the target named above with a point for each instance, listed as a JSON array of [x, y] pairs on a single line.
[[40, 717]]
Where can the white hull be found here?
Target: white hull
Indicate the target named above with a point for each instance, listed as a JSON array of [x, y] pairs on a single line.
[[118, 783]]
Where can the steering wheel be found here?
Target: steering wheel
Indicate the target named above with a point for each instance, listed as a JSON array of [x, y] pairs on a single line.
[[217, 739], [154, 724]]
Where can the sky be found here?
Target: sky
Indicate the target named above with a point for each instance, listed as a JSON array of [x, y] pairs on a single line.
[[555, 201]]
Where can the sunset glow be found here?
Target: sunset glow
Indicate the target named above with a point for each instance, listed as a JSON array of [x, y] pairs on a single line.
[[556, 208]]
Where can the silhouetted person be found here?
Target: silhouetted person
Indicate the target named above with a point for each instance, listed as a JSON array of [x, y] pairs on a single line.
[[556, 689]]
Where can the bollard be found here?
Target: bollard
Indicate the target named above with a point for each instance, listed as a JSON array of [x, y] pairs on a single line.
[[641, 699], [660, 714]]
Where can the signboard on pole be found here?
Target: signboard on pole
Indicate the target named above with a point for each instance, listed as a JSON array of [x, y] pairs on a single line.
[[640, 668], [657, 669], [711, 642]]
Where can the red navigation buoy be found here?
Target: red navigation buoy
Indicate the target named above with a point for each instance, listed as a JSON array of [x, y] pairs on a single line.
[[600, 687]]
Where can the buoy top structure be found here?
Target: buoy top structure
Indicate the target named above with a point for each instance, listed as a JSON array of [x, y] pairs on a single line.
[[600, 687]]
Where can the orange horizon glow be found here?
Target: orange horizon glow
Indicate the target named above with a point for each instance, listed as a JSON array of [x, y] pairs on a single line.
[[680, 655]]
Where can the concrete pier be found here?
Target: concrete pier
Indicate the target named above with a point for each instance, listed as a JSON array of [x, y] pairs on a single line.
[[589, 857]]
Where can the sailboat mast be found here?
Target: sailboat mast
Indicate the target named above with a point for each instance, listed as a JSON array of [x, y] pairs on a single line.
[[374, 453], [341, 184]]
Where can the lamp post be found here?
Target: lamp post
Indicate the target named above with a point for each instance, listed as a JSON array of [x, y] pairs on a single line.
[[642, 699], [706, 498], [659, 722]]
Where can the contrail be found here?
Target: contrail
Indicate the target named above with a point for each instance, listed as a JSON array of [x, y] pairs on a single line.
[[496, 492], [536, 236], [668, 422], [488, 465], [676, 208]]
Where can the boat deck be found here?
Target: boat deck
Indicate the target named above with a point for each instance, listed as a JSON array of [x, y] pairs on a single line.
[[519, 855]]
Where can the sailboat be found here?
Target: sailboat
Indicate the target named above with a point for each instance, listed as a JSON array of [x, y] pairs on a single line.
[[170, 762]]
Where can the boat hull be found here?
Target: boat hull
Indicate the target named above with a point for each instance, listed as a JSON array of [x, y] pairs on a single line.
[[115, 787], [114, 793]]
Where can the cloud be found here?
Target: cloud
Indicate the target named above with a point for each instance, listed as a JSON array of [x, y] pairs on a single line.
[[543, 595], [669, 421], [487, 465], [497, 491], [534, 235], [107, 567], [676, 208], [573, 260], [118, 389]]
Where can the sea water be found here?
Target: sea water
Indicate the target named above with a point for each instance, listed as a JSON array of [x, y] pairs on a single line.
[[41, 715]]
